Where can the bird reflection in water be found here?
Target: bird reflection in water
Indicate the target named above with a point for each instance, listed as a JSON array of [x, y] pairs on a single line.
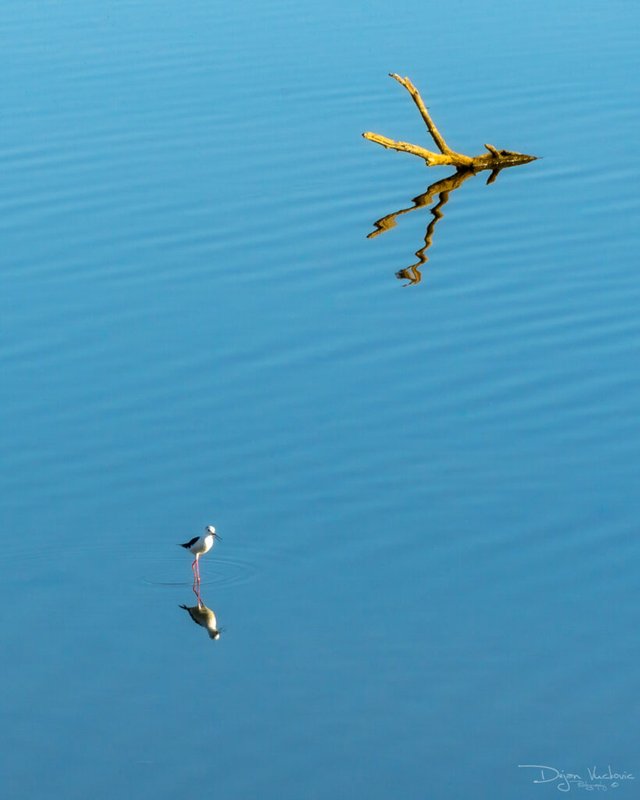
[[442, 189], [202, 615]]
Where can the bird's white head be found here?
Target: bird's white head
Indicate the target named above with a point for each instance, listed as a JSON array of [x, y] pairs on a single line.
[[211, 531]]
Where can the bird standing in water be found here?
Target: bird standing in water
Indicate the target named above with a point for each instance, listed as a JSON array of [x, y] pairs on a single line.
[[200, 545]]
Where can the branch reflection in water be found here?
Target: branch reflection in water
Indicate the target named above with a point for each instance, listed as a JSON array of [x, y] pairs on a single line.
[[442, 189], [202, 615]]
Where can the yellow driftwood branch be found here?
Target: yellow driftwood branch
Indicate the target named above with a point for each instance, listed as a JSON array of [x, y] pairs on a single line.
[[432, 159], [494, 159]]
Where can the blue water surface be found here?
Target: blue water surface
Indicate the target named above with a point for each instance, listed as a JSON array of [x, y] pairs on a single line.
[[427, 496]]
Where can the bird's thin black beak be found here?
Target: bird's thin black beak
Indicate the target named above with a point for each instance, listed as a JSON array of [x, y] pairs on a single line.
[[217, 536]]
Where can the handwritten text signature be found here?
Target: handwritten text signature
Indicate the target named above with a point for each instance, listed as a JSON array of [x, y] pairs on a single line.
[[597, 779]]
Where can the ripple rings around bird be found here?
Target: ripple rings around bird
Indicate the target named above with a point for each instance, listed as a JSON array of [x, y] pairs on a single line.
[[223, 571]]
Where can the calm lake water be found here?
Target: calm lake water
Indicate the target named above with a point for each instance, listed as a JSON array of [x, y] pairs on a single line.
[[427, 494]]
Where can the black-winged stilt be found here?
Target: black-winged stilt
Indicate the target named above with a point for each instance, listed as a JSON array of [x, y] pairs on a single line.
[[200, 545]]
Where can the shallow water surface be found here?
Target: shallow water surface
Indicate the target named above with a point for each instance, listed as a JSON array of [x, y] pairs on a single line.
[[426, 494]]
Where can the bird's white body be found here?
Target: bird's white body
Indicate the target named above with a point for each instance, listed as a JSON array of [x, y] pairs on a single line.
[[200, 545], [203, 544]]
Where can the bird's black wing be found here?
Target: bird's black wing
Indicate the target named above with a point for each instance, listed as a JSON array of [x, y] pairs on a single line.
[[190, 543]]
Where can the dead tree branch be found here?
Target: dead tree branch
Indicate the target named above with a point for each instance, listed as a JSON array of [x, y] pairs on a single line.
[[495, 159]]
